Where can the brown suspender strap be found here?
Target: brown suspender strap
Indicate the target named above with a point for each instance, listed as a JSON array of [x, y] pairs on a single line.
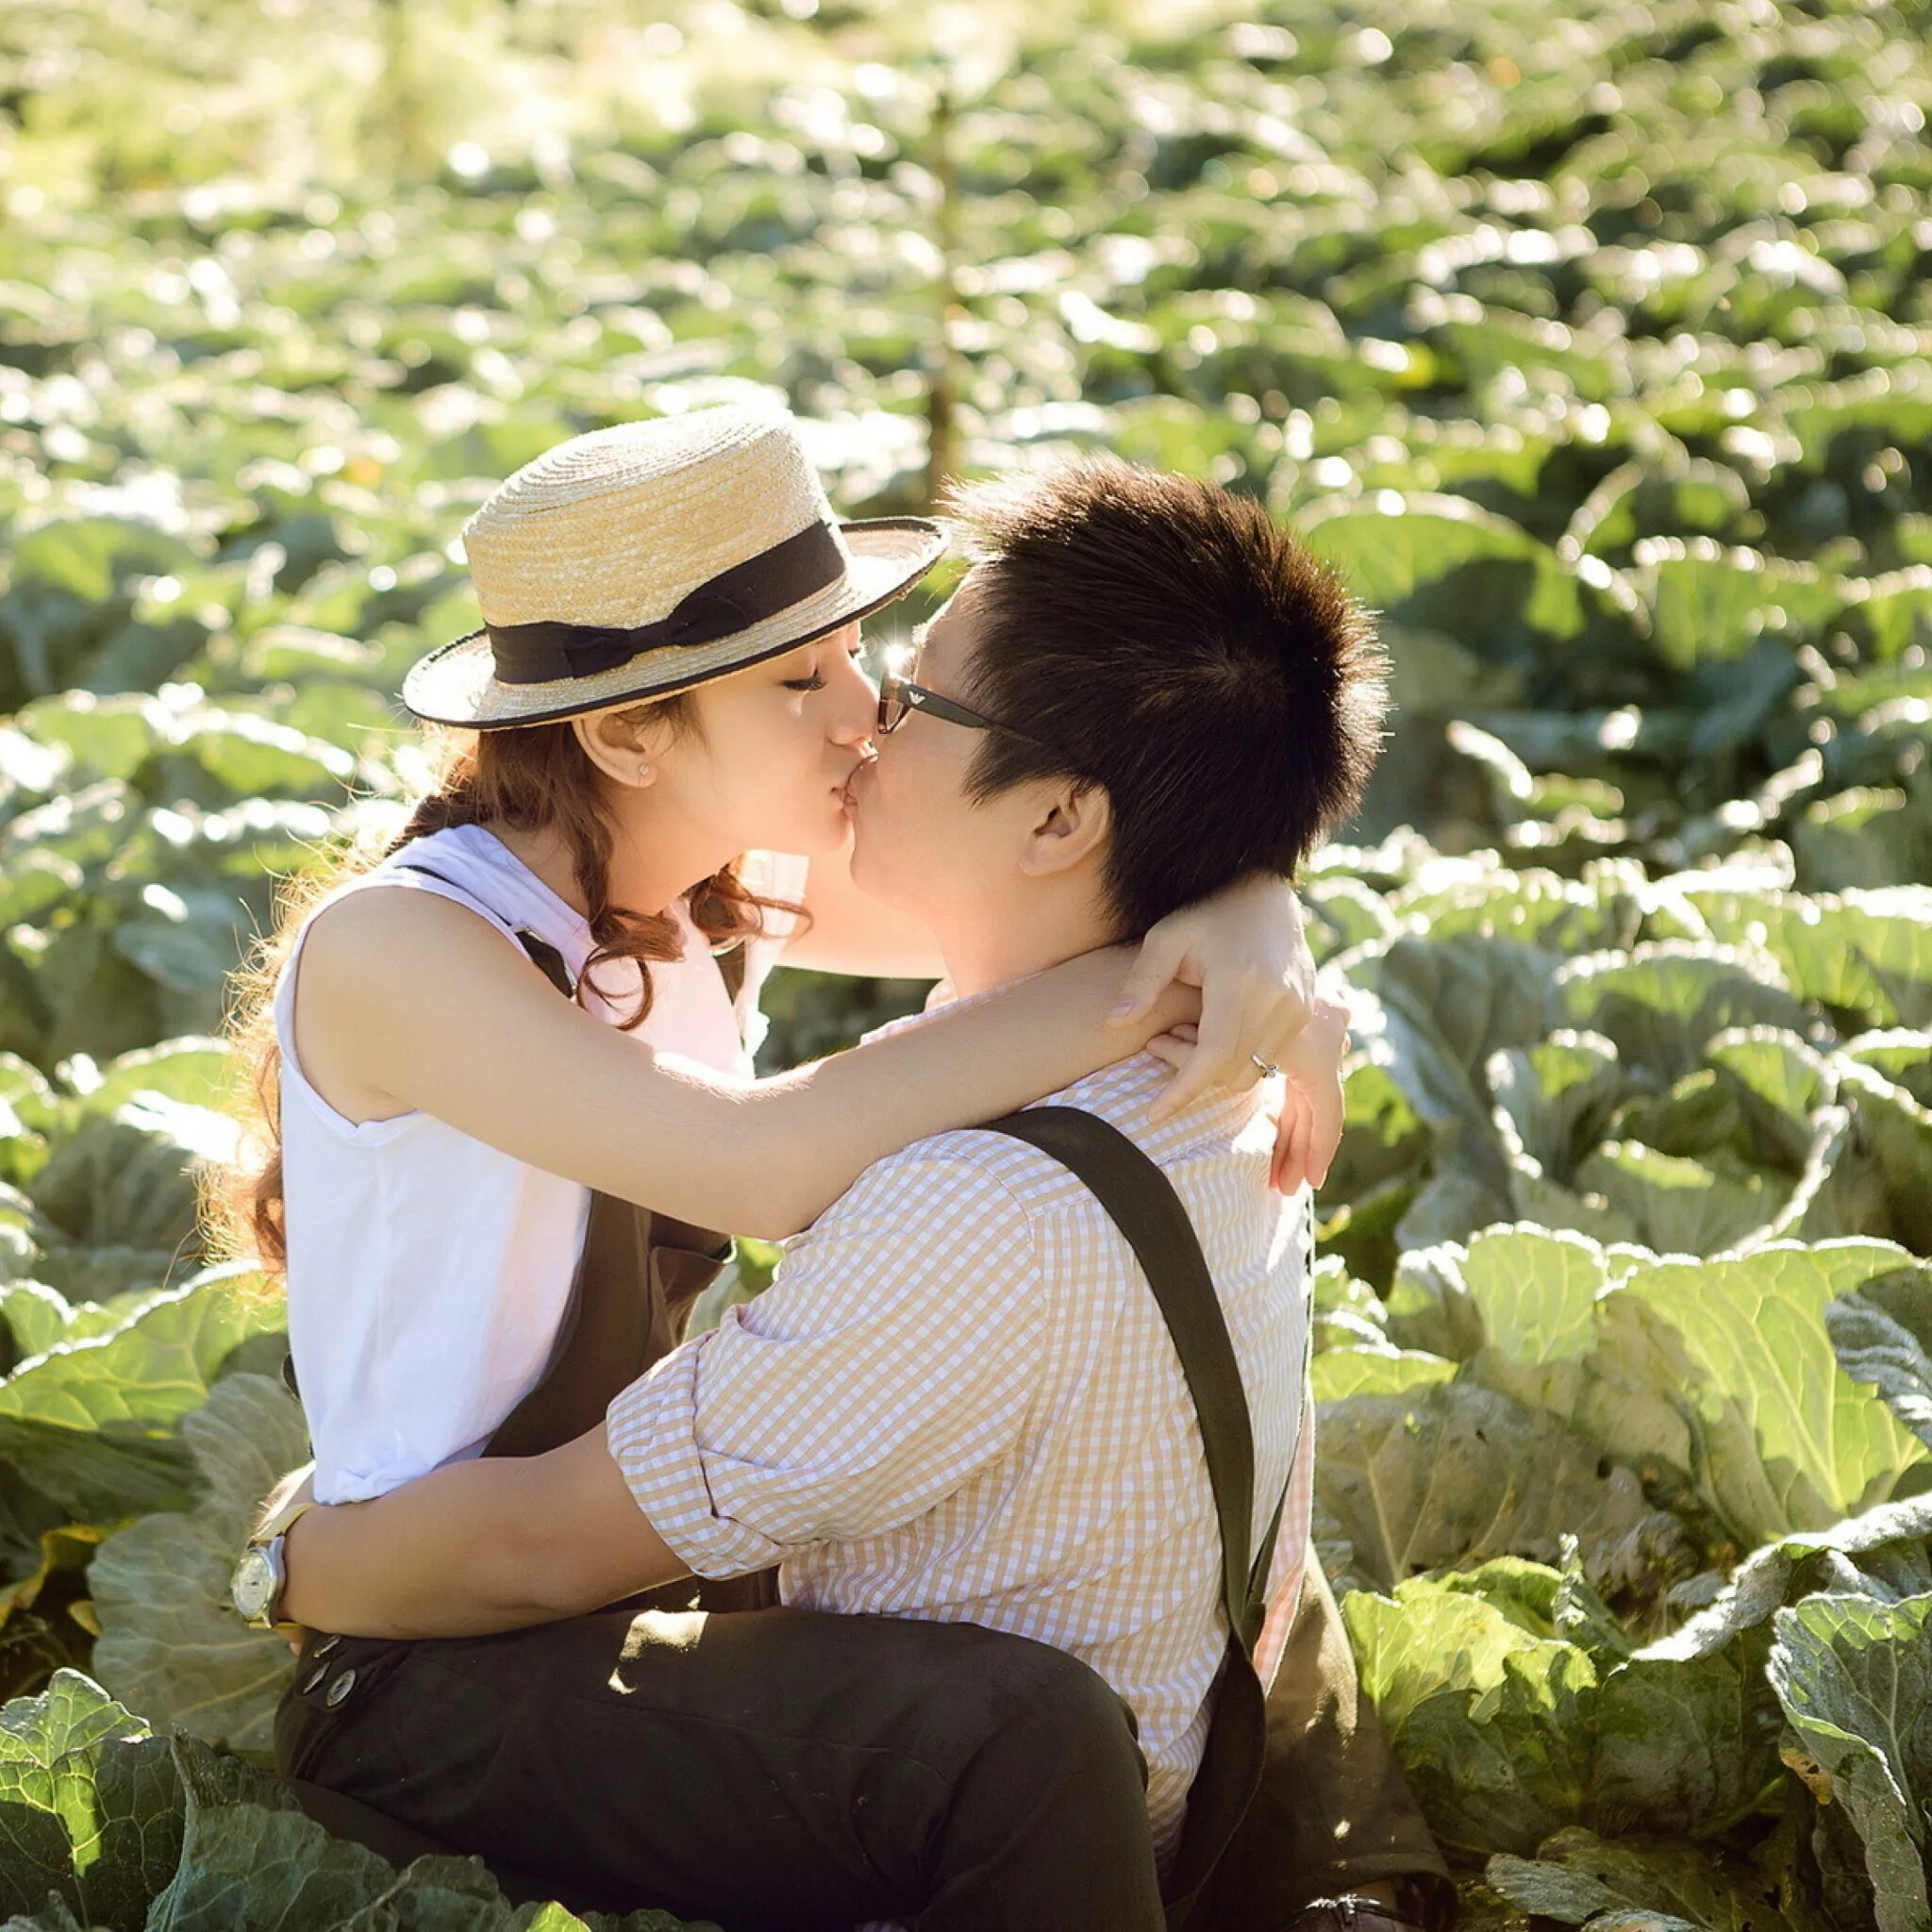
[[546, 959], [549, 961], [636, 1279], [1145, 1206], [543, 956], [637, 1276]]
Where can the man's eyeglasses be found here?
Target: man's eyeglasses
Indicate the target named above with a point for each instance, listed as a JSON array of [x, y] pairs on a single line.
[[899, 696]]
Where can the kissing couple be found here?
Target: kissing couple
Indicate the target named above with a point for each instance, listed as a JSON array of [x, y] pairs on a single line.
[[962, 1577]]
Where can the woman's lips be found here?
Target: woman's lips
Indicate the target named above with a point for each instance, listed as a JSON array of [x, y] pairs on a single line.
[[848, 792]]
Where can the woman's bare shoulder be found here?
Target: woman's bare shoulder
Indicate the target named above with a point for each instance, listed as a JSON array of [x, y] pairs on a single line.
[[381, 972], [387, 937]]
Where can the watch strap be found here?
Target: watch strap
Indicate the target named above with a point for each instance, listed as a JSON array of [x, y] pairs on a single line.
[[270, 1533], [289, 1513]]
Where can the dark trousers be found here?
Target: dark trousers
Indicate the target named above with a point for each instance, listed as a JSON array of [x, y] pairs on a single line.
[[776, 1769], [755, 1769]]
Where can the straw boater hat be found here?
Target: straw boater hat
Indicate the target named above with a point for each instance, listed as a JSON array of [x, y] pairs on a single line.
[[639, 560]]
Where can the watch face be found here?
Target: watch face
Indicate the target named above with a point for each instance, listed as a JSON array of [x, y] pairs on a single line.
[[254, 1583]]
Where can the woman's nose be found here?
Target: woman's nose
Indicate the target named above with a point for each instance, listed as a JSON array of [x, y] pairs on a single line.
[[856, 708]]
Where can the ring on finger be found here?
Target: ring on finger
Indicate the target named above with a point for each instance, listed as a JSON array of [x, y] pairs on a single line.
[[1268, 1068]]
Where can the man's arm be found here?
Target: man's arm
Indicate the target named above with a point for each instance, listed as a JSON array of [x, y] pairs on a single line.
[[896, 1355], [491, 1544]]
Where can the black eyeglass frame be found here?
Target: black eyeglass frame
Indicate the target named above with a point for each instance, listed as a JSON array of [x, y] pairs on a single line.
[[899, 696]]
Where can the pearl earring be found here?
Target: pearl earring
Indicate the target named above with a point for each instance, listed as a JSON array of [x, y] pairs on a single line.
[[643, 771]]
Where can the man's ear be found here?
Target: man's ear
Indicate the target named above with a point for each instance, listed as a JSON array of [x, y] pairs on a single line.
[[1073, 823], [618, 745]]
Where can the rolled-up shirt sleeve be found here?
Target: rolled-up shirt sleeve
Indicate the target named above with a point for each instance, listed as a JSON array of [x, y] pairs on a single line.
[[895, 1356]]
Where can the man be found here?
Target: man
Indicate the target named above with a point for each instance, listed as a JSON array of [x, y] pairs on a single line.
[[958, 1402]]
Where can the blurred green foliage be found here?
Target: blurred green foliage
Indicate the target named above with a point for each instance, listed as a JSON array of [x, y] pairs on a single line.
[[1593, 343], [1590, 342]]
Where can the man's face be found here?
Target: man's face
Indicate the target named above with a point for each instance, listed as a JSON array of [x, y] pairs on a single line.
[[919, 843]]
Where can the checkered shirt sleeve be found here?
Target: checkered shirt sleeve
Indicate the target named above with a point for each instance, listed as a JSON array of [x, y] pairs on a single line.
[[894, 1357]]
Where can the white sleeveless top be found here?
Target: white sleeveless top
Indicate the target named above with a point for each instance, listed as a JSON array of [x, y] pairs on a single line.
[[427, 1273]]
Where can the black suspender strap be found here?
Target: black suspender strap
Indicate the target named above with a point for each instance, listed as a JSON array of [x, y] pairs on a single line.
[[1145, 1206]]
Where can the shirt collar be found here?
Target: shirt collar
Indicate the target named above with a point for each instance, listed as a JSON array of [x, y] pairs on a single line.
[[1216, 1113]]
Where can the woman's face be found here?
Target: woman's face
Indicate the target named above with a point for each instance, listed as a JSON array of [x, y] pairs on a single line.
[[776, 744]]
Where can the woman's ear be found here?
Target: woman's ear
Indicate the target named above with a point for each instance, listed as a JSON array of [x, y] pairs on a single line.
[[620, 743], [1072, 824]]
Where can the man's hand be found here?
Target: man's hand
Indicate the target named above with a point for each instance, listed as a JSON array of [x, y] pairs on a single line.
[[1247, 951], [490, 1544], [297, 1486]]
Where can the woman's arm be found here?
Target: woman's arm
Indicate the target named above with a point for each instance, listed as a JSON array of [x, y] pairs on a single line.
[[431, 1007], [410, 986]]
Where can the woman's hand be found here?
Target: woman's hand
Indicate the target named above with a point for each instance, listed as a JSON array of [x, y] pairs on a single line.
[[1308, 1128], [1247, 951]]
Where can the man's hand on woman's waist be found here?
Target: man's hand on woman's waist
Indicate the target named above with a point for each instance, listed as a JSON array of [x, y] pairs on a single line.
[[493, 1543]]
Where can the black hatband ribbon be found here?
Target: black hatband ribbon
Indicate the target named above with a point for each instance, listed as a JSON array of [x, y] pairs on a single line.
[[744, 595]]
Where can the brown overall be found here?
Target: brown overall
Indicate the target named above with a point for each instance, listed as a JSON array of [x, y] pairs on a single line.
[[1329, 1804]]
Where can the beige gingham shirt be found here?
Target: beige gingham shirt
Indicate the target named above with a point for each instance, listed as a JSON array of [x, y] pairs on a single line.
[[959, 1400]]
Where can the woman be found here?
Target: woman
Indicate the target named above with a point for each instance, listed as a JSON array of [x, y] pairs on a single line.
[[671, 618]]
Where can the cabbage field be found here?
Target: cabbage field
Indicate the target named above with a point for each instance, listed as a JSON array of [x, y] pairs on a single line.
[[1591, 343]]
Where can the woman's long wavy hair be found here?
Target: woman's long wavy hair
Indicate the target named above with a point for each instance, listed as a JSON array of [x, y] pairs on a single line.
[[527, 778]]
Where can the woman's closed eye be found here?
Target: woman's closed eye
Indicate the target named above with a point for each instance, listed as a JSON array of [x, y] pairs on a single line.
[[817, 680]]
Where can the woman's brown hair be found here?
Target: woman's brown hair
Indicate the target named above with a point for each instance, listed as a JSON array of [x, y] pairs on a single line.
[[531, 776]]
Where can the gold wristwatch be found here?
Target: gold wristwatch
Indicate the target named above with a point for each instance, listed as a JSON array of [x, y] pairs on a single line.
[[261, 1575]]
